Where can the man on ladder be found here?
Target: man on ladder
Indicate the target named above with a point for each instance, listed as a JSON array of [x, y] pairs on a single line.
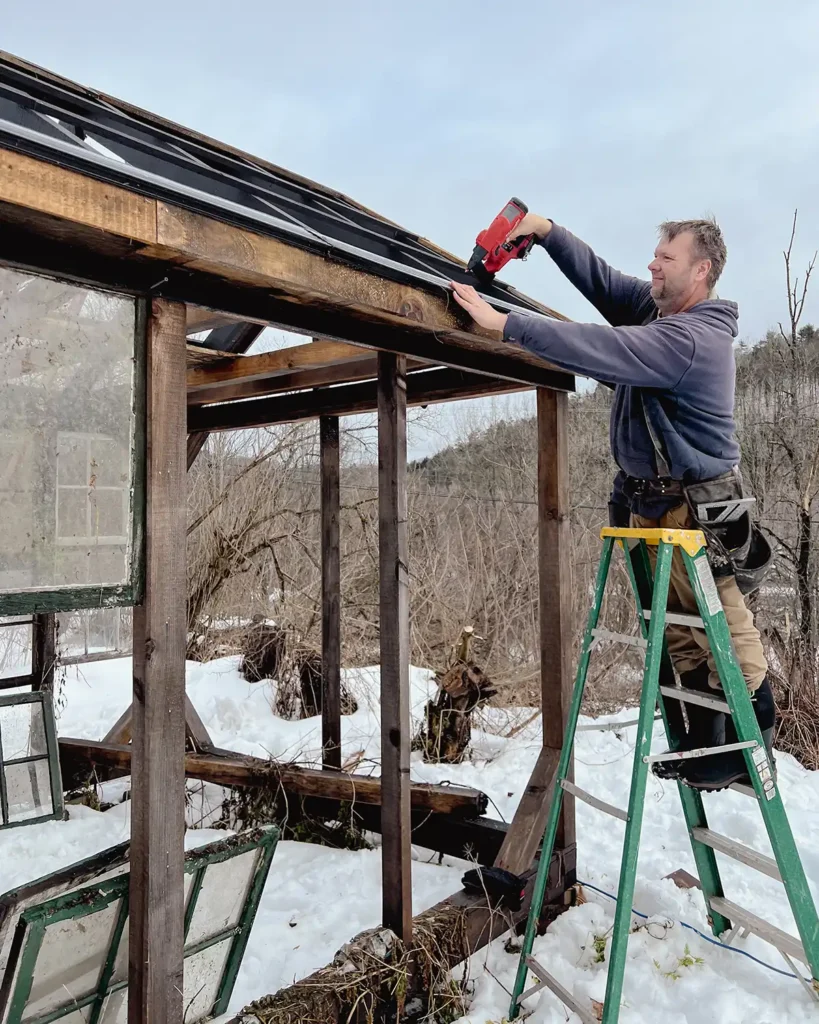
[[668, 354]]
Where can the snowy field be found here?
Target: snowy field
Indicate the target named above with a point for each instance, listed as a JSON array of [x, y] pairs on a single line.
[[316, 899]]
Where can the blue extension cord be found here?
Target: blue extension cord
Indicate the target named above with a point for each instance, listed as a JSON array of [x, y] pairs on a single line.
[[702, 935]]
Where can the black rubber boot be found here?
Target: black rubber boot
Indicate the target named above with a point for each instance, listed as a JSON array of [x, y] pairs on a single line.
[[723, 770], [706, 727]]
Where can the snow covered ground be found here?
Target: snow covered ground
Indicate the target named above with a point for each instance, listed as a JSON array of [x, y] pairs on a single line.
[[316, 898]]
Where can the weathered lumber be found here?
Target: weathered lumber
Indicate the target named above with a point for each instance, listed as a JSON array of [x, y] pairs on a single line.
[[554, 569], [367, 971], [198, 356], [43, 651], [427, 388], [268, 364], [79, 758], [158, 711], [193, 258], [330, 594], [396, 840]]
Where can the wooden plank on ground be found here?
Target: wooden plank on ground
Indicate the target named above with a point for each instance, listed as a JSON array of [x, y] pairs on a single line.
[[554, 568], [80, 758], [396, 828], [330, 594], [158, 774]]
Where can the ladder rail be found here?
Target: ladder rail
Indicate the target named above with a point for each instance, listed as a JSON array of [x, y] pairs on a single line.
[[564, 764]]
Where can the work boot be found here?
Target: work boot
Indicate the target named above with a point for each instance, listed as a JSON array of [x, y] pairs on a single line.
[[706, 727], [723, 770]]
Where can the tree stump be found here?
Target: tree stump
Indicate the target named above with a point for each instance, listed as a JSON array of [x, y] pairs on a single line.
[[462, 687], [263, 651]]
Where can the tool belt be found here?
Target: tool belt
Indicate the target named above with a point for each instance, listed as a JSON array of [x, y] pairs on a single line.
[[721, 509]]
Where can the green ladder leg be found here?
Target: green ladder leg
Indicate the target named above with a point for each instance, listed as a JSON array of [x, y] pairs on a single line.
[[639, 777], [767, 792], [638, 566], [561, 774]]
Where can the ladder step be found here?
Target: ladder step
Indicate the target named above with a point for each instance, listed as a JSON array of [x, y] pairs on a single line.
[[782, 941], [563, 994], [694, 697], [744, 854], [739, 787], [622, 638], [593, 801], [678, 619], [684, 755]]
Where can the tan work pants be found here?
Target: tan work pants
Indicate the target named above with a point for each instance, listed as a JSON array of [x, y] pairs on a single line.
[[689, 647]]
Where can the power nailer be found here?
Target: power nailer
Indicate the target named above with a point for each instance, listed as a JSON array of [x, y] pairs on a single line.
[[492, 251]]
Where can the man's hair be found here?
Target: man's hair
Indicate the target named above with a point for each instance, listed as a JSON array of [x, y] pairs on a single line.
[[708, 243]]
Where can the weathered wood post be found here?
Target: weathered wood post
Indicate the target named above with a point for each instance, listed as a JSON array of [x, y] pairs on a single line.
[[158, 710], [394, 631], [330, 595]]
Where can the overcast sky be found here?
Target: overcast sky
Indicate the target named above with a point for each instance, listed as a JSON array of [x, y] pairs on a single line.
[[607, 116]]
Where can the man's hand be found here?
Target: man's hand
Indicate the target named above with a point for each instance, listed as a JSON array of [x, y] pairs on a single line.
[[531, 224], [480, 311]]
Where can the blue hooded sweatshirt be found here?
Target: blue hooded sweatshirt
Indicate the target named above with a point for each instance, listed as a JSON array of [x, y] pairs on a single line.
[[678, 369]]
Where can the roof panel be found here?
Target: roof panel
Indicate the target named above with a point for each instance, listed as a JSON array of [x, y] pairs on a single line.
[[59, 121]]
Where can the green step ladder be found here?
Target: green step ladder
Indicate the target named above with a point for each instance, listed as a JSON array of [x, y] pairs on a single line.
[[659, 687]]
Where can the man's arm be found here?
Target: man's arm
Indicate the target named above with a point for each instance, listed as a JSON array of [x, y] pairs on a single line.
[[655, 356], [620, 299]]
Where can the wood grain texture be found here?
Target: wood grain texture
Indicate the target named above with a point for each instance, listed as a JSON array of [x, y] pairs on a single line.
[[330, 594], [269, 364], [43, 651], [62, 193], [158, 720], [80, 757], [554, 571], [428, 388], [396, 826]]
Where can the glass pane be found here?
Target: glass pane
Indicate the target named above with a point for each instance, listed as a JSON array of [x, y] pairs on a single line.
[[22, 730], [66, 390], [221, 897], [115, 1008], [109, 510], [28, 790], [15, 646], [203, 975], [71, 960]]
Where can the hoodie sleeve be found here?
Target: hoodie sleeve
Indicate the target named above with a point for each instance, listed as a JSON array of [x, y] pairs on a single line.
[[620, 299], [655, 356]]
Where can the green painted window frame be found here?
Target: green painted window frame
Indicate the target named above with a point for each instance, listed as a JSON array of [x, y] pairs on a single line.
[[130, 593], [52, 755], [94, 898]]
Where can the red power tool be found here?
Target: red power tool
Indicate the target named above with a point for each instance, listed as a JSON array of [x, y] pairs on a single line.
[[492, 251]]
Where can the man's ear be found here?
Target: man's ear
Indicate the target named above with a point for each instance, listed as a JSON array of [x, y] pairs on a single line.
[[704, 269]]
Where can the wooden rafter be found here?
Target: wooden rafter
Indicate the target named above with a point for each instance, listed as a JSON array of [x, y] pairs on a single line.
[[428, 388], [195, 259]]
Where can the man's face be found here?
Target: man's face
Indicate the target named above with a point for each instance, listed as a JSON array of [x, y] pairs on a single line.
[[676, 274]]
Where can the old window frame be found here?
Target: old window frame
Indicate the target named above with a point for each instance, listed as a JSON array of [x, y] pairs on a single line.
[[130, 592], [90, 899], [45, 699]]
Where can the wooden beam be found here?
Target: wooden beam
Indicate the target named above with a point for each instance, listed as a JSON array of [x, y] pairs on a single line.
[[196, 732], [396, 827], [330, 594], [120, 731], [201, 355], [298, 380], [81, 758], [43, 651], [158, 778], [427, 388], [554, 571], [199, 319], [113, 236], [269, 364]]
